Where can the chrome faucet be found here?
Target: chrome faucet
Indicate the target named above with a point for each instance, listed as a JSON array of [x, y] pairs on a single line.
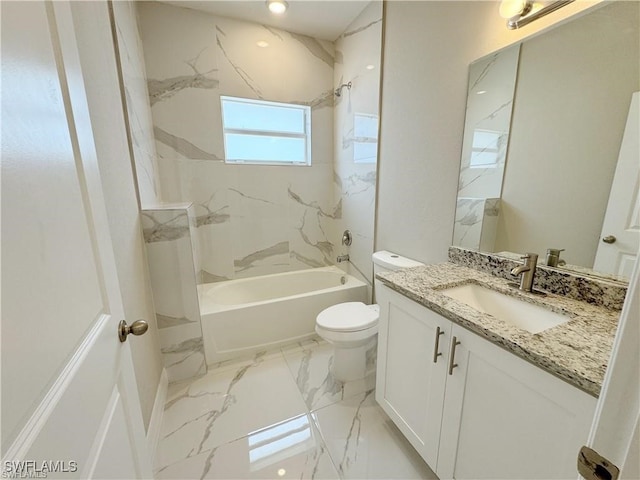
[[527, 270], [343, 258], [553, 257]]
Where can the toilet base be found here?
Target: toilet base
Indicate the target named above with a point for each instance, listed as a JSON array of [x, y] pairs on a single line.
[[350, 364]]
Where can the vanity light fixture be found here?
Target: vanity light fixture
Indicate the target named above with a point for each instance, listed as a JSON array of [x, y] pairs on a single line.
[[277, 6], [522, 12]]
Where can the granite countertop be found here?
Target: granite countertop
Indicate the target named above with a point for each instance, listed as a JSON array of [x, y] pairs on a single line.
[[577, 351]]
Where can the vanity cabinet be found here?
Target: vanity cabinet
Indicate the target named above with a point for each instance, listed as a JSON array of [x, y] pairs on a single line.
[[492, 415], [410, 385]]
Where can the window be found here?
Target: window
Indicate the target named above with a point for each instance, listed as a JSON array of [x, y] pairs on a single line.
[[485, 151], [260, 132], [365, 132]]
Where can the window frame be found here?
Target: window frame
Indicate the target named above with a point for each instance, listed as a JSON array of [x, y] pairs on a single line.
[[305, 135]]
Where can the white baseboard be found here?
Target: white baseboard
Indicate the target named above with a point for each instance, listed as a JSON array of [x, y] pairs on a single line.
[[153, 433]]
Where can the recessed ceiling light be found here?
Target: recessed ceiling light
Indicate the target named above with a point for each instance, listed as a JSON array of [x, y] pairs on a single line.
[[262, 44], [277, 6], [370, 67], [282, 472], [481, 92]]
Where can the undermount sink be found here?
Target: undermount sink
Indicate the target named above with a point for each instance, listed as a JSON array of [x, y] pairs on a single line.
[[521, 314]]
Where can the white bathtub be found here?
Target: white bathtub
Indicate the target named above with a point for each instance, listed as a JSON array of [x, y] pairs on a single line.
[[242, 317]]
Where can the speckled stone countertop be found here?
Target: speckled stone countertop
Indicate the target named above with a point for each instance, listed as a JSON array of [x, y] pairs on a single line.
[[576, 351]]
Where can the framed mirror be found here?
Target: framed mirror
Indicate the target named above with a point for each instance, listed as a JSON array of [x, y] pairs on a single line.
[[573, 87]]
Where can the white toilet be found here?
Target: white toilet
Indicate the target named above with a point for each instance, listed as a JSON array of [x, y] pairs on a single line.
[[352, 327]]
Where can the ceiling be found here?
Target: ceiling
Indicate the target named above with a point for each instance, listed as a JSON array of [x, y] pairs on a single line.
[[323, 19]]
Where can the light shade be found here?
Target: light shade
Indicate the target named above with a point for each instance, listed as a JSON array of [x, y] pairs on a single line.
[[277, 6], [511, 8], [522, 12]]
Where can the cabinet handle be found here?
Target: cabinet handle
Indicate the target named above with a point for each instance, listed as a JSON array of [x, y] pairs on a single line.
[[436, 347], [452, 355]]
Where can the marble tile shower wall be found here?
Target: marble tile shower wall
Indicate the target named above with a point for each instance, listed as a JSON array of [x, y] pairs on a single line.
[[357, 60], [251, 220], [169, 233], [136, 96], [476, 223]]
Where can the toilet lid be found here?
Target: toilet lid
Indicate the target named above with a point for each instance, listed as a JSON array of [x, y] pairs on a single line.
[[348, 317]]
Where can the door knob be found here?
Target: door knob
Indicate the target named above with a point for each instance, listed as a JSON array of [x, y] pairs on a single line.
[[139, 327], [609, 239]]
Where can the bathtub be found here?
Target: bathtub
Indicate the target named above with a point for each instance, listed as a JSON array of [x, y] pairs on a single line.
[[242, 317]]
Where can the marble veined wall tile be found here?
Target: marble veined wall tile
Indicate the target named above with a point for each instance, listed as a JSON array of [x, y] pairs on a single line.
[[312, 217], [476, 223], [209, 186], [170, 253], [355, 136], [260, 247], [251, 220], [293, 68], [183, 81], [140, 122], [488, 119]]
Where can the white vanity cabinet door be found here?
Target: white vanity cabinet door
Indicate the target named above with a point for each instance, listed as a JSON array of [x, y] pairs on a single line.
[[505, 418], [409, 385]]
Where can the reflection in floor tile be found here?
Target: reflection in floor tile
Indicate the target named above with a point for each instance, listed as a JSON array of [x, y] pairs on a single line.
[[292, 449], [251, 419], [310, 368], [364, 443], [224, 406]]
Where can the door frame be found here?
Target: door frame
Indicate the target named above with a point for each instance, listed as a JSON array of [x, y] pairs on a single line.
[[102, 333], [618, 410]]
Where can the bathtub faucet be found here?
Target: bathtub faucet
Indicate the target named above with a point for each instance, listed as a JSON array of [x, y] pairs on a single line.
[[343, 258]]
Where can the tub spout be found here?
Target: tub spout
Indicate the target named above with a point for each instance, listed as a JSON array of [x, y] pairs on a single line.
[[343, 258]]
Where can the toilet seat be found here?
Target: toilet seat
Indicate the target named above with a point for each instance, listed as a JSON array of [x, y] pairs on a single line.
[[349, 317]]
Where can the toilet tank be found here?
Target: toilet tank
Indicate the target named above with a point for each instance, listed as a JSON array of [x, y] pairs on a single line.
[[384, 261]]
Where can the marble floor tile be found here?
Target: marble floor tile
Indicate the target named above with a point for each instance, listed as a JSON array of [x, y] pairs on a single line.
[[308, 344], [224, 406], [291, 449], [251, 419], [310, 368], [364, 443]]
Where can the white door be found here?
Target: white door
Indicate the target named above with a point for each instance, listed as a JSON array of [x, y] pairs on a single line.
[[614, 433], [70, 406], [620, 238]]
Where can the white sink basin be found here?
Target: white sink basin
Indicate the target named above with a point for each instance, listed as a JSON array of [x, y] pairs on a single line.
[[521, 314]]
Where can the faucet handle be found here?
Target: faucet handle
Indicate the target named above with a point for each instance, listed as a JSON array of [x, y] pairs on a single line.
[[529, 255]]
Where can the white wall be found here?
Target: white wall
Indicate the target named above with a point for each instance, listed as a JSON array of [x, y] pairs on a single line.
[[427, 50], [107, 118]]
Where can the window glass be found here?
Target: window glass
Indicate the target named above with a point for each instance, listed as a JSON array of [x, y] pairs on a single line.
[[256, 131]]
